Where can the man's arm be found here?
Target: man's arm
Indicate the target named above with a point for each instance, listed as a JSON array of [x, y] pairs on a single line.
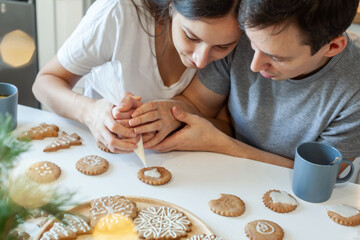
[[201, 135]]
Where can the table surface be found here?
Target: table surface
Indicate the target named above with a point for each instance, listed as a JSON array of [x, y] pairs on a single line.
[[198, 177]]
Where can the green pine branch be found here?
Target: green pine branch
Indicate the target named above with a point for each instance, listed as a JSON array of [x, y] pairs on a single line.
[[19, 197]]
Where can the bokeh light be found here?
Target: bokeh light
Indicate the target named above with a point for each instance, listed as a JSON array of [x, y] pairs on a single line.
[[115, 226], [17, 48]]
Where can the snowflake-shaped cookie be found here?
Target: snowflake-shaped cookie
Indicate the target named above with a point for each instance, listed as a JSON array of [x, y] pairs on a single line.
[[111, 205], [161, 223]]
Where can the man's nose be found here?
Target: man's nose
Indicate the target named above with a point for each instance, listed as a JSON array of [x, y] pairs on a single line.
[[259, 62]]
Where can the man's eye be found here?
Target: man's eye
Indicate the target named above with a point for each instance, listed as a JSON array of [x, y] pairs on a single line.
[[276, 59]]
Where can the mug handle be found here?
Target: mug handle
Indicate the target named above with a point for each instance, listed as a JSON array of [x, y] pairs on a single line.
[[348, 176]]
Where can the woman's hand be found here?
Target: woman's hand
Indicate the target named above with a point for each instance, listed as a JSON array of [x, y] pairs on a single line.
[[154, 118], [98, 117]]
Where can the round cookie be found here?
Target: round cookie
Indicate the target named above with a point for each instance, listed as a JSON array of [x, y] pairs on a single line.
[[227, 205], [205, 237], [174, 224], [154, 175], [345, 215], [43, 172], [263, 230], [92, 165], [103, 147], [279, 201]]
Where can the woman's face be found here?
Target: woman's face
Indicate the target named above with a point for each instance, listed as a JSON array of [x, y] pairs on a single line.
[[200, 42]]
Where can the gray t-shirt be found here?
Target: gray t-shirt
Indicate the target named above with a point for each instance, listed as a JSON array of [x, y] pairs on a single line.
[[276, 116]]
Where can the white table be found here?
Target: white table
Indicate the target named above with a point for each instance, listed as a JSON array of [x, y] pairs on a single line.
[[197, 178]]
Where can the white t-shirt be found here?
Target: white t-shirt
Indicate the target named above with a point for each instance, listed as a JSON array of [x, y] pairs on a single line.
[[111, 31]]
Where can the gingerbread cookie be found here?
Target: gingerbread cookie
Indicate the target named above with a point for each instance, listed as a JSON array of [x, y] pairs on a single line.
[[205, 237], [103, 147], [345, 215], [63, 141], [92, 165], [279, 201], [161, 223], [154, 175], [105, 206], [43, 172], [76, 224], [58, 231], [264, 230], [227, 205], [40, 132]]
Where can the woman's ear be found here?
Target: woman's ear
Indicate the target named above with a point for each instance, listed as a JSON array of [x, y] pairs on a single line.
[[336, 46]]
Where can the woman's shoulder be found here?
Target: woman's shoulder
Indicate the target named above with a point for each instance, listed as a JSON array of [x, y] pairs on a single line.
[[123, 6]]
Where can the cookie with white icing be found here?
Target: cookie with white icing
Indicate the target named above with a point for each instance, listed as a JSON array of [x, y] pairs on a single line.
[[345, 215], [227, 205], [92, 165], [58, 231], [263, 230], [43, 172], [205, 237], [279, 201], [63, 141], [154, 175], [161, 223], [77, 224], [40, 132], [105, 206]]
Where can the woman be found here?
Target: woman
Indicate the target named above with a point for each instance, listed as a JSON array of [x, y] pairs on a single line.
[[159, 43]]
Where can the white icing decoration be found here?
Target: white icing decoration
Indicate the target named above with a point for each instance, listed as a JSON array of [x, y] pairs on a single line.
[[43, 170], [282, 197], [154, 173], [92, 160], [76, 224], [56, 230], [155, 223], [205, 237], [107, 205], [345, 210], [264, 228]]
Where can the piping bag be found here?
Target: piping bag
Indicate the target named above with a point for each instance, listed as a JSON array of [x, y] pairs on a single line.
[[108, 81]]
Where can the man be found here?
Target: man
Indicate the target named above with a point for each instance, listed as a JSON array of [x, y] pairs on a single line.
[[294, 77]]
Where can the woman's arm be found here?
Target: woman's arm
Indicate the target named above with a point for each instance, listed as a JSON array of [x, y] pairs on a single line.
[[53, 88]]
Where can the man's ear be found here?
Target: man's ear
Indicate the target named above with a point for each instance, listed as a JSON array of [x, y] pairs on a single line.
[[336, 46]]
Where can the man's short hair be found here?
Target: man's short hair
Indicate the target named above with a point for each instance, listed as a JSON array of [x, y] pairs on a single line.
[[320, 21]]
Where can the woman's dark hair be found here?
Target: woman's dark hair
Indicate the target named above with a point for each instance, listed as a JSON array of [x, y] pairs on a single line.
[[320, 21], [191, 9]]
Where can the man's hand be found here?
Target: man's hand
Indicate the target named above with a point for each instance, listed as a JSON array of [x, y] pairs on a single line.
[[155, 118], [198, 134]]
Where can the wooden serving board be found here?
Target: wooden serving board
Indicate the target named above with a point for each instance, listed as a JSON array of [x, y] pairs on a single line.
[[198, 226]]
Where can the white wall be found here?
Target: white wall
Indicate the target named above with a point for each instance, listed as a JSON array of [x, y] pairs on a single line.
[[56, 20]]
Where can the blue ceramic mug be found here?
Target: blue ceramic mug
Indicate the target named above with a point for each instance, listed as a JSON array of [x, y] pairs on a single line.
[[314, 176], [9, 102]]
